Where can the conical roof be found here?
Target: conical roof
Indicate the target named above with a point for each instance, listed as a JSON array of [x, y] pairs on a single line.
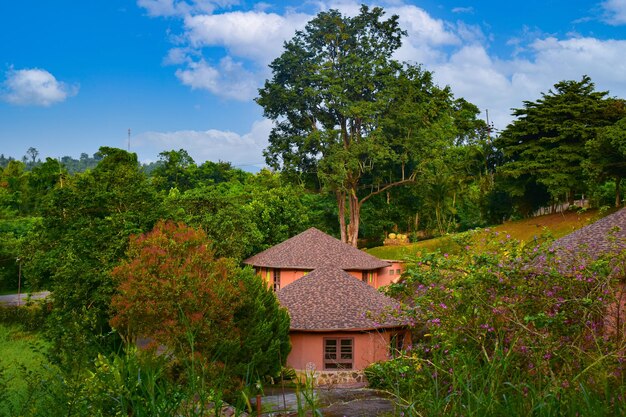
[[312, 249], [331, 299]]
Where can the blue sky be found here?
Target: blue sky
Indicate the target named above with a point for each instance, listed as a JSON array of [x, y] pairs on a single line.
[[76, 75]]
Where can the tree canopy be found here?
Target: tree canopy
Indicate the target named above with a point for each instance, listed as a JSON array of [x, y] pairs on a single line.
[[544, 147], [349, 114]]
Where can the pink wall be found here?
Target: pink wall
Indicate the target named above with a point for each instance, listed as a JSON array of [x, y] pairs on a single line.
[[375, 278], [368, 347], [287, 276], [390, 274]]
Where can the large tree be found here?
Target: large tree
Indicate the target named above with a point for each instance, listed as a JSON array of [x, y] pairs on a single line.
[[82, 236], [344, 110], [544, 147], [607, 153], [175, 291]]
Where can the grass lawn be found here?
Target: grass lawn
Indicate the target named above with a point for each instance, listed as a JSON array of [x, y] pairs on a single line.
[[558, 225], [22, 359]]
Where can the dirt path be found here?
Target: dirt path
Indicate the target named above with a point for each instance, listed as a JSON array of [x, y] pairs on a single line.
[[332, 402]]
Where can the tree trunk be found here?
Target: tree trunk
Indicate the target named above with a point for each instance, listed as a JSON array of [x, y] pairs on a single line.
[[341, 213], [618, 196], [355, 218]]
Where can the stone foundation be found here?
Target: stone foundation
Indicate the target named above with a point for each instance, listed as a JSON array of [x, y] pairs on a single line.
[[321, 378]]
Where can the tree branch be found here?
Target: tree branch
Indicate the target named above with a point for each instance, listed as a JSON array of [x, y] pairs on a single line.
[[388, 186]]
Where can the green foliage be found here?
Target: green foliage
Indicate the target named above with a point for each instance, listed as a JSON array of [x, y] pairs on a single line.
[[173, 288], [31, 316], [83, 234], [510, 328], [128, 384], [545, 146], [13, 233], [345, 111], [24, 371], [243, 219], [176, 170], [607, 155]]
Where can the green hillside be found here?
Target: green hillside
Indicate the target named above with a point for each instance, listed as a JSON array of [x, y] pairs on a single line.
[[557, 225]]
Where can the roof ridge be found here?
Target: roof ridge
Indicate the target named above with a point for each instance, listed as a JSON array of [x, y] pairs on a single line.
[[313, 248]]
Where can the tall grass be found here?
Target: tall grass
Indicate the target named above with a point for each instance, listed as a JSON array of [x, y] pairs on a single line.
[[23, 362], [511, 329], [476, 387]]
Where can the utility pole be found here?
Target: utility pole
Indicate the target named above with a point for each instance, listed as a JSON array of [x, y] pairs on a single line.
[[19, 281], [129, 139]]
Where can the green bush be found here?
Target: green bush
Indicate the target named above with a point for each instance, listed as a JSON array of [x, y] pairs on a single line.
[[510, 329], [30, 316]]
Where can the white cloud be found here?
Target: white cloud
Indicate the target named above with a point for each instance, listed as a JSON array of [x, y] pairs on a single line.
[[169, 8], [254, 35], [422, 28], [499, 85], [615, 11], [34, 87], [457, 52], [229, 79], [244, 150], [252, 39], [463, 10]]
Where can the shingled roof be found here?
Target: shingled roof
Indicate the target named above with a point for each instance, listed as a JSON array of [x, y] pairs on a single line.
[[603, 237], [312, 249], [595, 239], [329, 299]]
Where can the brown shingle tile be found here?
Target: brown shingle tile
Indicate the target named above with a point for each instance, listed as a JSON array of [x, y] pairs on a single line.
[[312, 249], [331, 299]]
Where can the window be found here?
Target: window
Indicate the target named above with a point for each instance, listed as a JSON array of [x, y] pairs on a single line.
[[276, 280], [396, 344], [338, 353], [391, 272], [367, 276], [398, 272], [364, 276]]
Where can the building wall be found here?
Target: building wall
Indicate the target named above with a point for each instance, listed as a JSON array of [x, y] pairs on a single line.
[[307, 349], [287, 276], [375, 278], [391, 274]]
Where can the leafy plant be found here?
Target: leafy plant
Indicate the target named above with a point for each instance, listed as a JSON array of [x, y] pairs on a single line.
[[511, 328]]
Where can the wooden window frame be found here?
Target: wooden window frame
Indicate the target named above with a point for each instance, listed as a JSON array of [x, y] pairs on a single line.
[[276, 279], [338, 363]]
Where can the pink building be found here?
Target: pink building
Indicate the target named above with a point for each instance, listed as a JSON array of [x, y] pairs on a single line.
[[339, 321], [292, 259]]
